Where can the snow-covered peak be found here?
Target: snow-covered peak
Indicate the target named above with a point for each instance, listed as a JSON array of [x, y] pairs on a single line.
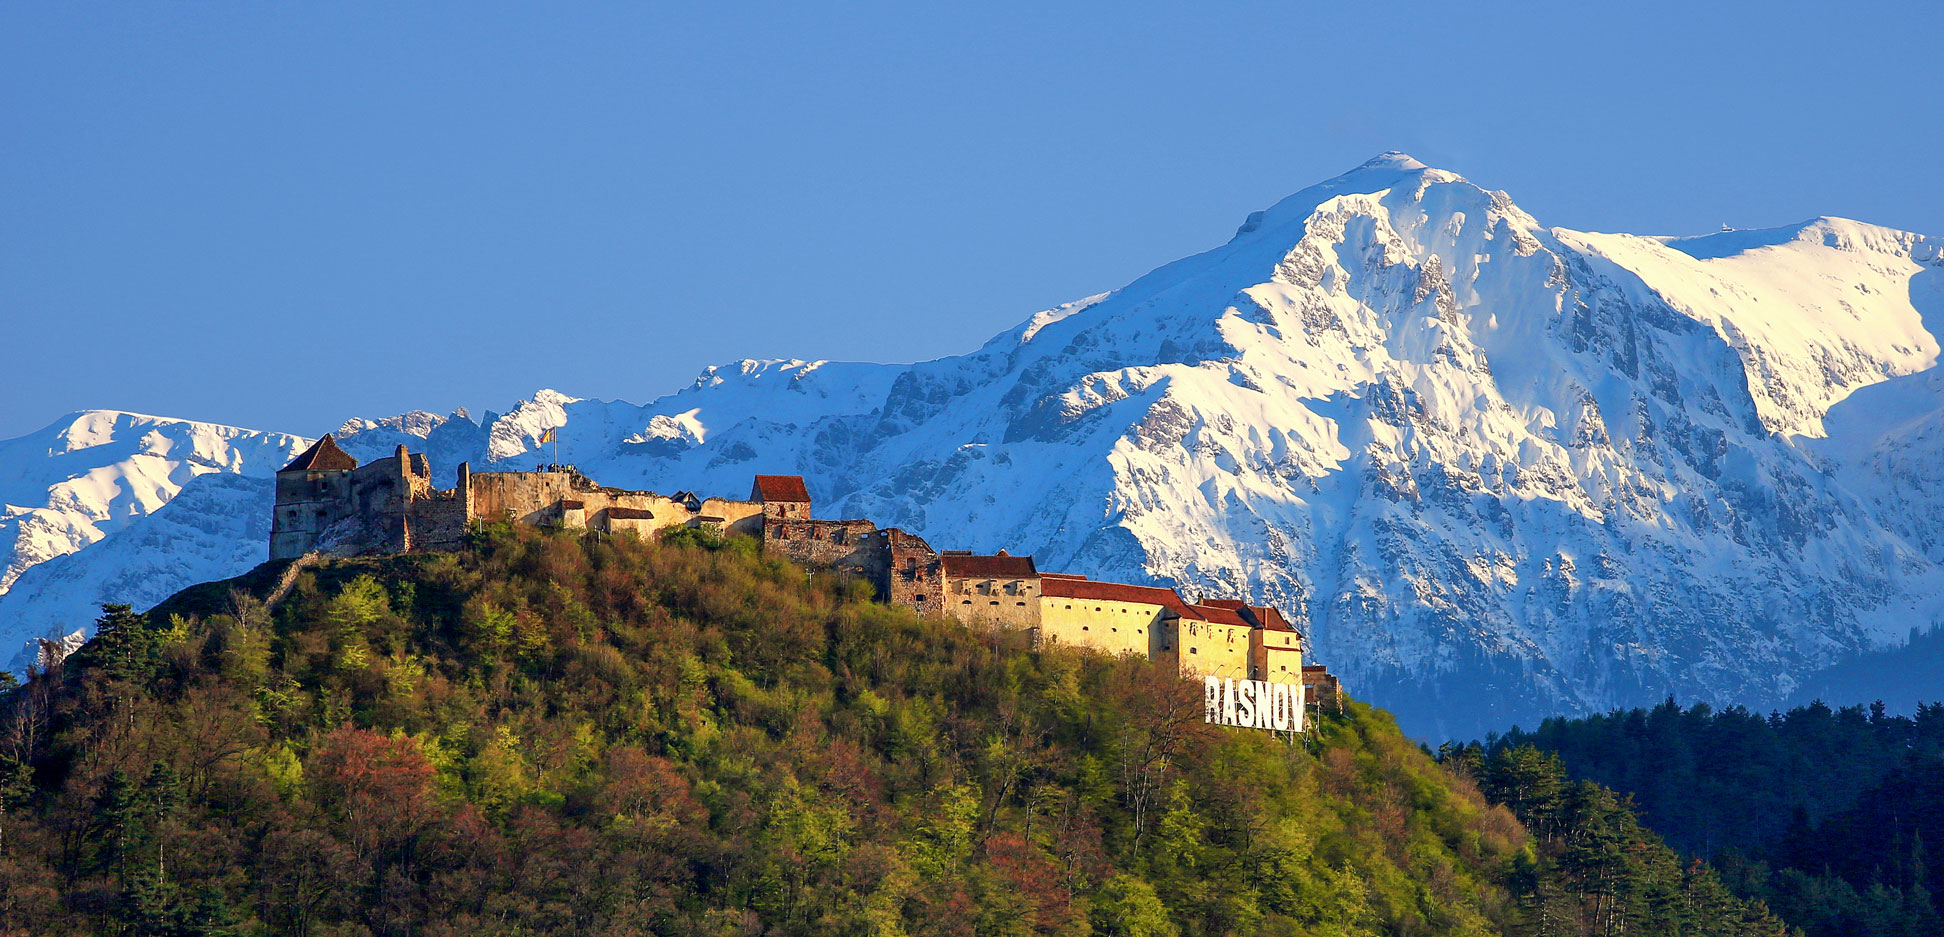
[[90, 473], [1377, 176], [1815, 310], [1499, 469], [1841, 234], [1393, 159], [417, 423]]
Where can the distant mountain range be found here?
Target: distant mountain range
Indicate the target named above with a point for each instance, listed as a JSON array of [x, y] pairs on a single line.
[[1502, 470]]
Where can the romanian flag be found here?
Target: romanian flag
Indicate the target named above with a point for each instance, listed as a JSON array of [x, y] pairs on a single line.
[[547, 435]]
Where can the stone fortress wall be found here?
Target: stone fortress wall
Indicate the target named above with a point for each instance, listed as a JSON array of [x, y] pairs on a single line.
[[328, 503]]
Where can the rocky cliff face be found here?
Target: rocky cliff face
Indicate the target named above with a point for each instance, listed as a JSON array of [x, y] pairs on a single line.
[[1502, 470]]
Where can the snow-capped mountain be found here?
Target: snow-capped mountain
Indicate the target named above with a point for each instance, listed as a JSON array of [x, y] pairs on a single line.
[[1502, 470], [89, 481]]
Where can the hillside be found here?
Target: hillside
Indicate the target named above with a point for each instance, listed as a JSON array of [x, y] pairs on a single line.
[[1822, 813], [555, 735], [1503, 470]]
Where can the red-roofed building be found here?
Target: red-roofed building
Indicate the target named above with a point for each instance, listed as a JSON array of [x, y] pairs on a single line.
[[1000, 589], [784, 497], [1218, 642], [1108, 616]]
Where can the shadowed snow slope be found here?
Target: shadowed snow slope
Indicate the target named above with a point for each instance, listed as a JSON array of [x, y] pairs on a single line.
[[1502, 470]]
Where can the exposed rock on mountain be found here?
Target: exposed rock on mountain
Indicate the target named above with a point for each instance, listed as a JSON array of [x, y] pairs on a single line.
[[1501, 469]]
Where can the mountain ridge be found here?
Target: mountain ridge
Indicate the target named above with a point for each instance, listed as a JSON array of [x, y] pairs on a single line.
[[1502, 469]]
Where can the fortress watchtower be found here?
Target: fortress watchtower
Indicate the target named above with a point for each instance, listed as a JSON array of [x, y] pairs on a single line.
[[310, 491], [784, 497]]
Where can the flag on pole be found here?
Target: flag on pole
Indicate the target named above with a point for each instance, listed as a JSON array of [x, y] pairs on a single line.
[[547, 435]]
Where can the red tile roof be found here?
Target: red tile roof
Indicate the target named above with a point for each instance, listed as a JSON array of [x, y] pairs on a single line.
[[323, 456], [964, 566], [1067, 587], [629, 514], [1060, 576], [1261, 616], [781, 488], [1270, 618], [1222, 616]]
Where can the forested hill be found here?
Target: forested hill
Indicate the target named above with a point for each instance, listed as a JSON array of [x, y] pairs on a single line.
[[1832, 816], [554, 735]]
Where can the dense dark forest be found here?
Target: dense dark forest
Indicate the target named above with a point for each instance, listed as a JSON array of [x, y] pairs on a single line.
[[547, 734], [1824, 814]]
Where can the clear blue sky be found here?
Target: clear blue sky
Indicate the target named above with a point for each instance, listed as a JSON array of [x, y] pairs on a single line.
[[280, 215]]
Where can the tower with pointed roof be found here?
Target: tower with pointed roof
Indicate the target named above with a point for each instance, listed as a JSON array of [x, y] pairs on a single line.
[[309, 492]]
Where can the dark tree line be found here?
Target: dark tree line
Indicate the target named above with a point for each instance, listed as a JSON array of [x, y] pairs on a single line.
[[1593, 869], [1823, 814]]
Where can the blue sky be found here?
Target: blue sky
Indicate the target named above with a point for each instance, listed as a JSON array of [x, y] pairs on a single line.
[[283, 215]]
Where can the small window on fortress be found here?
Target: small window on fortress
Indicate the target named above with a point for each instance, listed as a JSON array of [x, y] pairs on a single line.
[[1085, 628], [917, 598], [993, 602], [1019, 603], [1194, 650], [966, 602]]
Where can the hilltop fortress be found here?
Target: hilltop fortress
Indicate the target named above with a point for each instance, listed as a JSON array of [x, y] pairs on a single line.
[[328, 503]]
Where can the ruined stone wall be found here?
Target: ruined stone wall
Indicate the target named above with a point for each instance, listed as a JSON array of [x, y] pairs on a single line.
[[307, 504], [901, 567], [916, 577], [390, 505], [438, 522], [1321, 689], [374, 518], [852, 547], [784, 510], [546, 498]]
